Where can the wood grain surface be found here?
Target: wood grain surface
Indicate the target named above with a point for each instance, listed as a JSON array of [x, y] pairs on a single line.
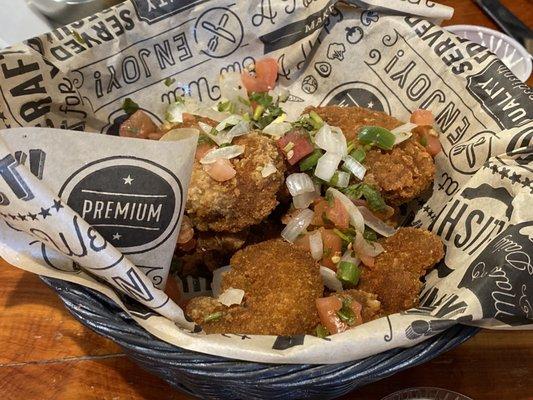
[[46, 355]]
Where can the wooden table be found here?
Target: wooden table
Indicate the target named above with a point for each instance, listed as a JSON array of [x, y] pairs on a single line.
[[46, 355]]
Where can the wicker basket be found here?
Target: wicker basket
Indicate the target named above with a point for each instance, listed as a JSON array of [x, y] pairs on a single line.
[[212, 377]]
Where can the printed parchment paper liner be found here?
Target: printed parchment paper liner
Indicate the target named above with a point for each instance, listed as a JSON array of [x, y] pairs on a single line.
[[329, 53]]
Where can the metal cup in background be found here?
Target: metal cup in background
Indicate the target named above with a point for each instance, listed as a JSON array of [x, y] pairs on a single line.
[[63, 12]]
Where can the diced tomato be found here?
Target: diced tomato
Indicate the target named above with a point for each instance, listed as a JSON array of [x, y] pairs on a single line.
[[422, 117], [338, 215], [138, 125], [202, 150], [357, 308], [266, 74], [332, 247], [327, 308], [433, 145], [320, 207], [303, 242], [295, 146], [221, 170], [367, 260], [335, 213]]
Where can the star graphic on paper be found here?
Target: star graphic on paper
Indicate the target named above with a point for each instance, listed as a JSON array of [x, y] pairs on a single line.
[[13, 217], [515, 178], [45, 212], [22, 217], [128, 180], [57, 205], [117, 236], [32, 216], [526, 182], [3, 215], [370, 105]]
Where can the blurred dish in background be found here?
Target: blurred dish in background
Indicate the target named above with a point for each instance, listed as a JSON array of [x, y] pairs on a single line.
[[512, 53], [20, 23]]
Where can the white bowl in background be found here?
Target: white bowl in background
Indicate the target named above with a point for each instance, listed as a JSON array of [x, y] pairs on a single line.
[[512, 53]]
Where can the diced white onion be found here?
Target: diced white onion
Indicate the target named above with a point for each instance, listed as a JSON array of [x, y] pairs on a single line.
[[355, 167], [408, 127], [227, 152], [277, 129], [231, 296], [356, 219], [331, 139], [375, 223], [232, 89], [303, 200], [220, 138], [349, 256], [175, 111], [330, 279], [299, 183], [178, 134], [297, 225], [343, 179], [216, 283], [240, 129], [316, 245], [268, 170], [327, 165], [208, 112], [279, 93], [403, 132], [232, 120], [365, 248]]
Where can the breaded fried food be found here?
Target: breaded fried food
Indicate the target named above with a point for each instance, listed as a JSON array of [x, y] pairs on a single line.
[[281, 284], [244, 200], [352, 119], [402, 173], [395, 276]]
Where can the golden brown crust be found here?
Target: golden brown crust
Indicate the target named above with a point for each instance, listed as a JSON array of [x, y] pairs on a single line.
[[351, 119], [281, 283], [243, 200], [403, 173], [395, 276]]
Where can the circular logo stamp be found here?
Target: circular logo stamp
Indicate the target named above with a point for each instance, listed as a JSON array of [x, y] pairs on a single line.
[[218, 32], [133, 203], [358, 94], [469, 156]]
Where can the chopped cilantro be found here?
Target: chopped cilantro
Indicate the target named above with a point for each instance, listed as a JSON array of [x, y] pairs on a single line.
[[346, 313], [371, 195], [370, 235], [321, 331], [129, 106], [213, 317], [169, 81]]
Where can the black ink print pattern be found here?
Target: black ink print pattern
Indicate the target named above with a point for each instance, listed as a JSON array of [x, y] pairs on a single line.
[[501, 276], [501, 95], [359, 94], [265, 13], [323, 68], [309, 84], [336, 51], [469, 156], [9, 173], [218, 32], [354, 34], [286, 342], [152, 11], [368, 17], [130, 205]]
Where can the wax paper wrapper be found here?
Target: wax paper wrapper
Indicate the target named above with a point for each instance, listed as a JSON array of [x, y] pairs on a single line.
[[384, 55]]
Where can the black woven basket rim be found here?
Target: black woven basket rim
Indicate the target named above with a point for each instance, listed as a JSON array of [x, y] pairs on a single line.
[[102, 315]]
